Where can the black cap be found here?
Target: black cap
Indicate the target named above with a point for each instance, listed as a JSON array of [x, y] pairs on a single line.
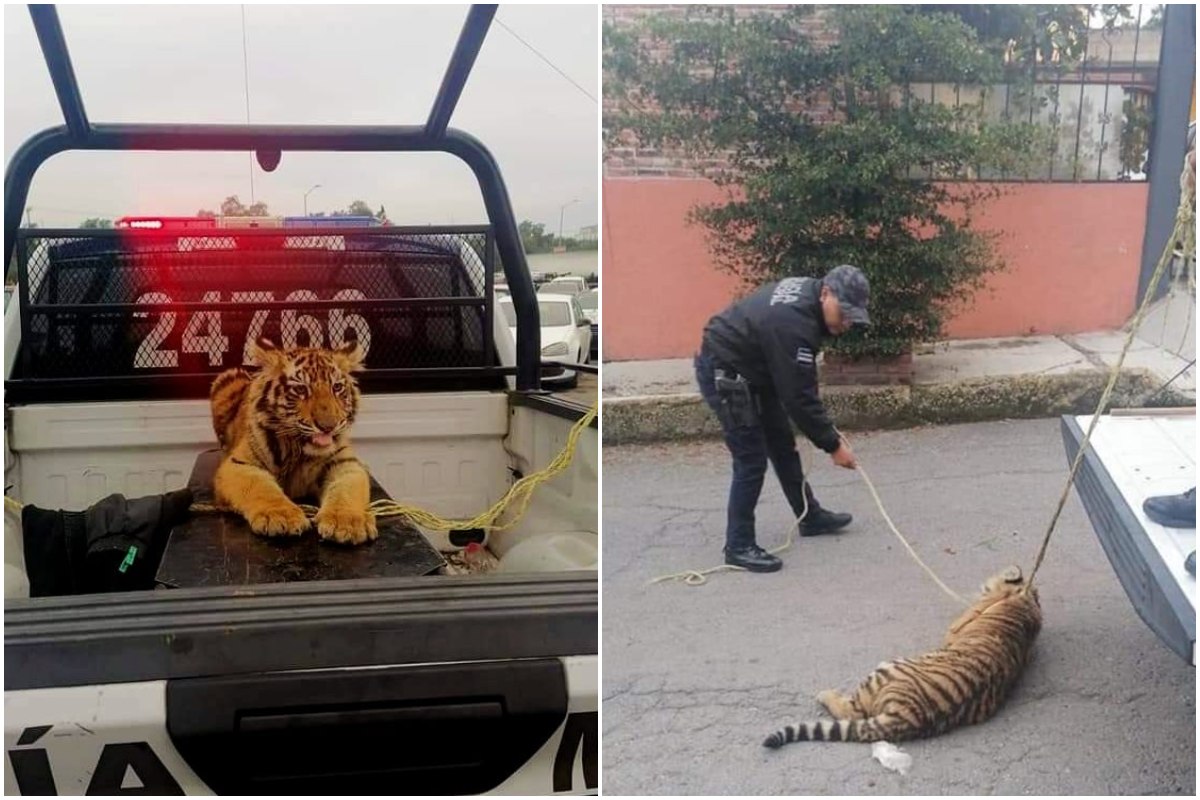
[[853, 292]]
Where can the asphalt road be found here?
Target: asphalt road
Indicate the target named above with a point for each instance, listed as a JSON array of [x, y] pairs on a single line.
[[694, 678]]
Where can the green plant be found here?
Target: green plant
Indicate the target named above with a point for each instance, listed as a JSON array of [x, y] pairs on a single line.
[[820, 147], [1135, 137]]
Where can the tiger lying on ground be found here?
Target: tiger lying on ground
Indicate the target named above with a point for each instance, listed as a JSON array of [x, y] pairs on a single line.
[[962, 683], [284, 431]]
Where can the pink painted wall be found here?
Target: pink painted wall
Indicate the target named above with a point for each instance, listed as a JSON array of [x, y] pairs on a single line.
[[1073, 253]]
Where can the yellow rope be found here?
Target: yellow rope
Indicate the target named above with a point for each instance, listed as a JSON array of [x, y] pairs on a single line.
[[12, 505], [698, 577], [867, 479], [517, 497]]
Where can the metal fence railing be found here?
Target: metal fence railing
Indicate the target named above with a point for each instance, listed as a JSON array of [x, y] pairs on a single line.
[[1096, 112]]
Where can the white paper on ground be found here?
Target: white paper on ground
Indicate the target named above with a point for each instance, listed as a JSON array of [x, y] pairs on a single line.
[[891, 757]]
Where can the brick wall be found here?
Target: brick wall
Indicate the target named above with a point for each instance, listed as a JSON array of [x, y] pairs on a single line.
[[628, 159], [839, 371]]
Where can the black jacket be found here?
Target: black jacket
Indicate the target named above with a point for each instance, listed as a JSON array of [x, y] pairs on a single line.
[[772, 338]]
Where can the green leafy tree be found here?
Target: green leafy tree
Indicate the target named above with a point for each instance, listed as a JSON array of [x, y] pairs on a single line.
[[96, 222], [1135, 137], [534, 237], [820, 148]]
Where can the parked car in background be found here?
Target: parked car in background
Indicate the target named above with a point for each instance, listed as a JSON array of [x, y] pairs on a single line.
[[589, 301], [566, 334], [565, 284]]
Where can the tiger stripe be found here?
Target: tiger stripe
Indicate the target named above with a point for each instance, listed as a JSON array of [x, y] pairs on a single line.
[[964, 682]]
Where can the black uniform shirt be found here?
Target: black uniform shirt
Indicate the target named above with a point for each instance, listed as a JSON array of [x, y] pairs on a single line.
[[772, 338]]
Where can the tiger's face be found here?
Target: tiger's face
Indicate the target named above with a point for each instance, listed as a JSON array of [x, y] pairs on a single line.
[[309, 394]]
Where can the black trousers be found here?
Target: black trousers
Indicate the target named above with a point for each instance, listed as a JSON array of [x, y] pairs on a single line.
[[753, 440]]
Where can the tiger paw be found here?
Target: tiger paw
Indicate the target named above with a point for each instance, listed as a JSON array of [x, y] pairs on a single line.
[[278, 520], [832, 702], [346, 525]]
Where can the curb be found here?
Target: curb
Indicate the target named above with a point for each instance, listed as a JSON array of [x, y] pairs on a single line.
[[676, 417]]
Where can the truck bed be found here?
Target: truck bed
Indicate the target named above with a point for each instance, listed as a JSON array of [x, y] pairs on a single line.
[[449, 453]]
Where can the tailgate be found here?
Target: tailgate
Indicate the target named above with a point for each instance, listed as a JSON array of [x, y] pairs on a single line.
[[1128, 460], [476, 685]]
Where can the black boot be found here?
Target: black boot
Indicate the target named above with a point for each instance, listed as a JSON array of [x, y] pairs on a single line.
[[1173, 510], [822, 521], [753, 558]]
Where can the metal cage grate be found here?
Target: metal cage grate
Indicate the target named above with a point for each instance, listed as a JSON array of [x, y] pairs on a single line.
[[153, 305]]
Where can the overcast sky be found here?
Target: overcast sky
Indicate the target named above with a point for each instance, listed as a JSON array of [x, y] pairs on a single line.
[[315, 65]]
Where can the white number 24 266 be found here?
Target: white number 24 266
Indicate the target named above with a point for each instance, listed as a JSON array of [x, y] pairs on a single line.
[[203, 331]]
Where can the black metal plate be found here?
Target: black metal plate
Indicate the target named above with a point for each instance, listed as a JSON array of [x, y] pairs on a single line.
[[220, 549]]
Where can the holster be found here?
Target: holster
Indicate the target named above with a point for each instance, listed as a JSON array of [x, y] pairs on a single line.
[[737, 397]]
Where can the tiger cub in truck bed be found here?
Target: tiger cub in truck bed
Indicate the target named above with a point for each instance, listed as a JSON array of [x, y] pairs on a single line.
[[285, 433], [963, 682]]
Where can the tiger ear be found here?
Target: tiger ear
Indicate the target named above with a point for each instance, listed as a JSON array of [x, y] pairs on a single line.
[[266, 354], [350, 356]]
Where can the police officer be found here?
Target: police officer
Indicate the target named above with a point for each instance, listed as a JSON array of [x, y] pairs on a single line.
[[757, 367]]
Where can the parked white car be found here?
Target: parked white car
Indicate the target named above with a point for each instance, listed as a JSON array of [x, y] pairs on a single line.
[[589, 301], [566, 333], [565, 284]]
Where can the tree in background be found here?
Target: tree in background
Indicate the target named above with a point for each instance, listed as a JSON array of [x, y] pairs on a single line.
[[206, 214], [820, 148], [534, 237], [232, 207], [1155, 22], [96, 222], [356, 209], [1028, 35]]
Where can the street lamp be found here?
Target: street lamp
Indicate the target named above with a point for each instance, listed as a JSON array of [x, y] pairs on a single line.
[[561, 211], [306, 194]]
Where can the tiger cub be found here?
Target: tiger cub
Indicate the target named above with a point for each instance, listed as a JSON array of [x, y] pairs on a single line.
[[284, 431], [962, 683]]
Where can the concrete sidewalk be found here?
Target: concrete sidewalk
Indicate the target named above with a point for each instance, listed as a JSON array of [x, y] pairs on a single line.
[[965, 381]]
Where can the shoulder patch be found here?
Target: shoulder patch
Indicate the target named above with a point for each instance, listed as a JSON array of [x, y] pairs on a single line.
[[788, 290]]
